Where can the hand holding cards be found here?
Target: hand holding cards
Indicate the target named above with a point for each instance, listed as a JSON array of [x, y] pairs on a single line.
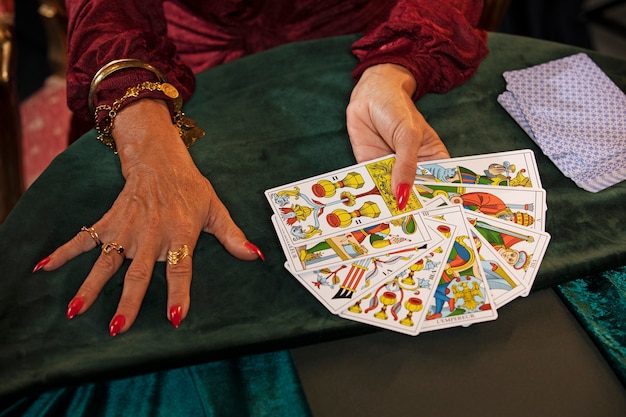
[[470, 239]]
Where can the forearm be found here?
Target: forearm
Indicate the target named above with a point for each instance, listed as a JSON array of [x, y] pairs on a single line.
[[100, 31], [440, 45]]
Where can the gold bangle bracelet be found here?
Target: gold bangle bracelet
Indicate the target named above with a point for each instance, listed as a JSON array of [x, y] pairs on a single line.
[[114, 66]]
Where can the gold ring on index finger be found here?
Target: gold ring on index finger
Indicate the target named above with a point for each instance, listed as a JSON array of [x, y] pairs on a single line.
[[112, 246], [174, 257], [92, 232]]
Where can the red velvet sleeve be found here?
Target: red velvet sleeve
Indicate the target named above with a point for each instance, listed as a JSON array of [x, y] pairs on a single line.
[[100, 31], [436, 40]]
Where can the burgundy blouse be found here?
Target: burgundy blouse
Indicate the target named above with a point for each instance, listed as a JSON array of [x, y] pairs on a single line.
[[437, 40]]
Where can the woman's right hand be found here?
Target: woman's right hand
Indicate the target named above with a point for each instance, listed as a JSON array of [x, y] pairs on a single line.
[[382, 119], [165, 203]]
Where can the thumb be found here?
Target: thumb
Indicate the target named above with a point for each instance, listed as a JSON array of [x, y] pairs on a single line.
[[406, 144], [419, 142], [403, 174]]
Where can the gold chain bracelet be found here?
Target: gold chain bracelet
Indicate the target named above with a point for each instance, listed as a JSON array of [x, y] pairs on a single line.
[[187, 127]]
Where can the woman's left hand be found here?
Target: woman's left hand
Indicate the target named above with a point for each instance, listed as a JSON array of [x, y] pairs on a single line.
[[383, 119]]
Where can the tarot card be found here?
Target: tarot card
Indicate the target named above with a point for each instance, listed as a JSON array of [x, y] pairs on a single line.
[[508, 169], [521, 248], [337, 287], [461, 296], [398, 304], [389, 236], [327, 204], [504, 284], [523, 206]]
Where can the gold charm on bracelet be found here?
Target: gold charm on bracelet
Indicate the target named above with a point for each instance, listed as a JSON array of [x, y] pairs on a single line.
[[188, 129], [169, 90]]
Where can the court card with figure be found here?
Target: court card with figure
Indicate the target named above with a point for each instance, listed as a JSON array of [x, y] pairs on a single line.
[[502, 169], [461, 296], [349, 198], [520, 205], [504, 284], [399, 302], [521, 248]]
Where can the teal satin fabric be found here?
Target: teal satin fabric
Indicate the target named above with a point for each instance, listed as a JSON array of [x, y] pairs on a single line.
[[599, 303], [263, 385], [270, 118]]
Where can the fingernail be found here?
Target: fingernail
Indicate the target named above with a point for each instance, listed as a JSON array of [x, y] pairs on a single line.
[[41, 264], [116, 325], [176, 315], [74, 307], [402, 195], [254, 249]]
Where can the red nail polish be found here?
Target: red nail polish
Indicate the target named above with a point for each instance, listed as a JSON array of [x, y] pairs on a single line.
[[253, 248], [116, 325], [41, 264], [74, 307], [176, 315], [402, 195]]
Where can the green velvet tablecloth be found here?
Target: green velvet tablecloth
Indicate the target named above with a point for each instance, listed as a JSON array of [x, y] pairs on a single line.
[[599, 303], [270, 118]]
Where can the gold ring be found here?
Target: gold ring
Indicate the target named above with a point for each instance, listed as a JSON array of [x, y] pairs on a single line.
[[175, 257], [92, 232], [112, 246]]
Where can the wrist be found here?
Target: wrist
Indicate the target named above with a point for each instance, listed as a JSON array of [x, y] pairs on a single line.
[[143, 127], [397, 74], [148, 144]]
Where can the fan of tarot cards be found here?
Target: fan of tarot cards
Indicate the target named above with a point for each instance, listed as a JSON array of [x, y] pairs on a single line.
[[470, 239]]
